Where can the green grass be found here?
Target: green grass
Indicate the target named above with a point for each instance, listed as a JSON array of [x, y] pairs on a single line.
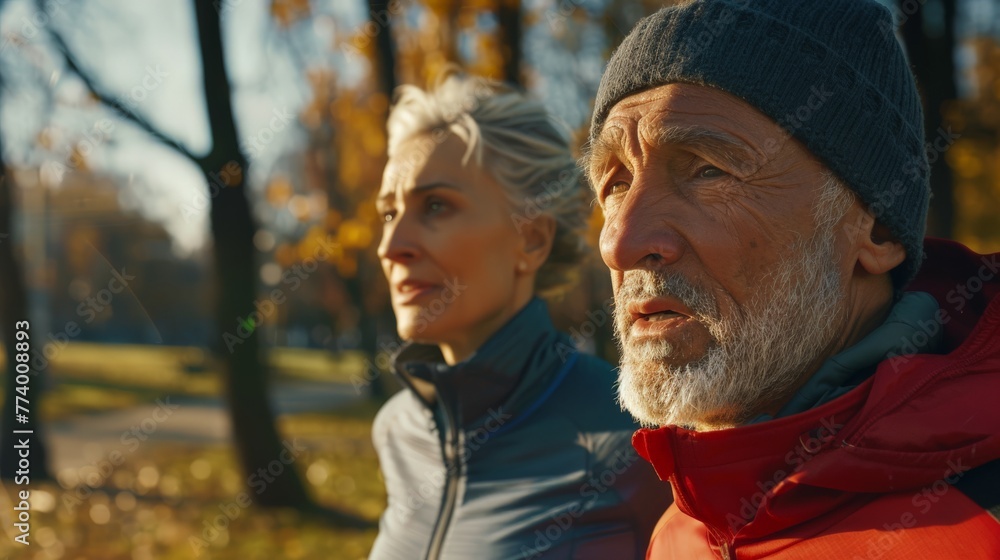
[[186, 369], [87, 377], [158, 500], [154, 503]]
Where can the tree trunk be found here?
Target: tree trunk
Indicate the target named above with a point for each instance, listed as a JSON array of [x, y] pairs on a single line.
[[256, 437], [509, 17], [369, 323], [932, 58], [385, 45]]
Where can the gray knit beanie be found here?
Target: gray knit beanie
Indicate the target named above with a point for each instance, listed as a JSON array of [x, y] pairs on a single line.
[[830, 72]]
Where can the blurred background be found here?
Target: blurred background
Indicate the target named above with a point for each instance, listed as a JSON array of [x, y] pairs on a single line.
[[187, 220]]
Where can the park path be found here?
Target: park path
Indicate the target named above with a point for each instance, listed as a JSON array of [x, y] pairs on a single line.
[[83, 439]]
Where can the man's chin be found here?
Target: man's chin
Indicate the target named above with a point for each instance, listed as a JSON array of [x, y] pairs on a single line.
[[657, 394], [640, 393]]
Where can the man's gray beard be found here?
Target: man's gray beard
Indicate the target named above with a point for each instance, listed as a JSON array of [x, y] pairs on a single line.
[[756, 356]]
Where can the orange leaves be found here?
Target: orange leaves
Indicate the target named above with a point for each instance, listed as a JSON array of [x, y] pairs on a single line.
[[279, 191], [354, 234], [288, 12], [975, 157], [78, 157]]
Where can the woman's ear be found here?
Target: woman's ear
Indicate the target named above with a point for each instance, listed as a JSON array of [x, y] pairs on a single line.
[[537, 235]]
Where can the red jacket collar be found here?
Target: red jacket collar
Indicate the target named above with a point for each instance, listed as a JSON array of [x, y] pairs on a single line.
[[885, 435]]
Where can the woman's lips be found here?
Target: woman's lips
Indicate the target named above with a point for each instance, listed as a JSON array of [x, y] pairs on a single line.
[[410, 291]]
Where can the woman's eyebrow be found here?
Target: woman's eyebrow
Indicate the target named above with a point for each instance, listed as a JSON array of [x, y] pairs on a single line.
[[436, 185], [389, 196]]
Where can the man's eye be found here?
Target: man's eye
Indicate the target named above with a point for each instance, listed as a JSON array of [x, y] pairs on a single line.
[[710, 172], [620, 187]]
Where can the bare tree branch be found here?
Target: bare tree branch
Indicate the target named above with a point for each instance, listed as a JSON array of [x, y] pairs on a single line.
[[107, 99]]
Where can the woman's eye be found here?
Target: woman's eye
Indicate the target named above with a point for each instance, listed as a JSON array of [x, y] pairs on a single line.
[[434, 206]]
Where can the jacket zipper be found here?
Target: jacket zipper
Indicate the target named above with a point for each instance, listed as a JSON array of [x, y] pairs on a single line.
[[450, 494]]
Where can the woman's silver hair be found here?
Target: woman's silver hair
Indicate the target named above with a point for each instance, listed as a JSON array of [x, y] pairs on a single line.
[[523, 148]]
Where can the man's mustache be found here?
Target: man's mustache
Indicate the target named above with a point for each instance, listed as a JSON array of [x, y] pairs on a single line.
[[642, 285]]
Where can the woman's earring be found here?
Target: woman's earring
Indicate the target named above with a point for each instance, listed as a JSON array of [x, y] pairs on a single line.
[[522, 266]]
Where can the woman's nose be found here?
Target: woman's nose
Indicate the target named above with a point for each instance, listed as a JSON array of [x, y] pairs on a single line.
[[400, 240]]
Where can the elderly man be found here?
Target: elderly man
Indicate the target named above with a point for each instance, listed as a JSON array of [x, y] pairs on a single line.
[[816, 386]]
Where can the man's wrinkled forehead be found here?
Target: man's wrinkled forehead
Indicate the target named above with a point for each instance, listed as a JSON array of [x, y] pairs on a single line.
[[681, 113], [687, 116]]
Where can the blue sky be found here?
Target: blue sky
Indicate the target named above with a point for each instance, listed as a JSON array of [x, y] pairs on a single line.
[[145, 52]]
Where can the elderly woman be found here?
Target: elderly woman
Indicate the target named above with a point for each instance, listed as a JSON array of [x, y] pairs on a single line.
[[506, 442]]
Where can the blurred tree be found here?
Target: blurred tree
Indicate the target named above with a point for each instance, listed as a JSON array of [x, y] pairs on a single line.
[[509, 16], [379, 313], [385, 45], [224, 166], [975, 157], [13, 310], [930, 46]]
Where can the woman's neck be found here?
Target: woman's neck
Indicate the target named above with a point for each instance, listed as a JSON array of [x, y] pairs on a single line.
[[464, 346]]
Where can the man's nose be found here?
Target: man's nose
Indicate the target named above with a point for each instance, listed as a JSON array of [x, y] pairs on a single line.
[[640, 229]]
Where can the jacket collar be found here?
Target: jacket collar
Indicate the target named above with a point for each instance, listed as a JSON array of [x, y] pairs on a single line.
[[755, 480], [900, 334], [507, 369]]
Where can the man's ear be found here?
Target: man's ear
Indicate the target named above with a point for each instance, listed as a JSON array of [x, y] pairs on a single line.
[[537, 235], [878, 251]]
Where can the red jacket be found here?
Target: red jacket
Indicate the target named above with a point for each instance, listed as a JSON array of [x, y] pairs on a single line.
[[886, 471]]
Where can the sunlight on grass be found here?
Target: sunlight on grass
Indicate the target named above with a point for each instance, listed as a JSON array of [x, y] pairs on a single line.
[[165, 500], [188, 370], [172, 501]]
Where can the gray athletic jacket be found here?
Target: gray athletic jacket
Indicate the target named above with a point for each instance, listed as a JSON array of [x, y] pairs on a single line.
[[519, 452]]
